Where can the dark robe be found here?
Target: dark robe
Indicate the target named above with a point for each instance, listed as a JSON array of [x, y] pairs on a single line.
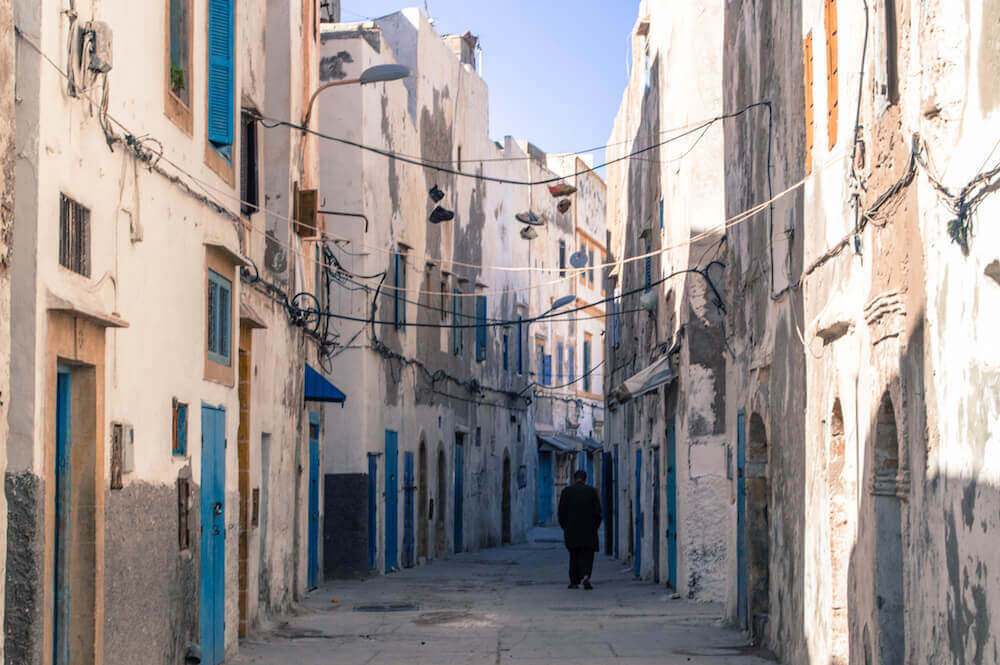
[[579, 516]]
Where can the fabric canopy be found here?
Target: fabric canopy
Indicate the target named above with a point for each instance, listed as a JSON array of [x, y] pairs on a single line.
[[647, 380], [554, 442], [318, 389]]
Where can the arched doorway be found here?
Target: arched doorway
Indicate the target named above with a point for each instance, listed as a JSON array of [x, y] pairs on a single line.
[[758, 527], [505, 502], [891, 634], [839, 490], [422, 498], [442, 501]]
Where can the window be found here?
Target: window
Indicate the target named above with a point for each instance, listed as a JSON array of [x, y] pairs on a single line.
[[220, 292], [520, 344], [183, 511], [220, 76], [646, 64], [74, 236], [399, 290], [572, 363], [540, 362], [832, 74], [547, 369], [807, 65], [444, 300], [505, 351], [590, 271], [559, 362], [179, 429], [887, 72], [583, 273], [480, 328], [586, 363], [178, 82], [562, 258], [249, 183], [458, 161], [661, 213], [456, 332], [649, 265]]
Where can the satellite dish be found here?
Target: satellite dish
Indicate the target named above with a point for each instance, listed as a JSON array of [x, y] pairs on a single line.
[[578, 259], [648, 300]]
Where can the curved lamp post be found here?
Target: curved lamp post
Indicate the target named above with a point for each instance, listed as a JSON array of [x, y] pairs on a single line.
[[375, 74]]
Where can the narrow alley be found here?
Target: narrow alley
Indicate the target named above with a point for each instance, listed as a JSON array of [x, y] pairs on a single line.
[[501, 605]]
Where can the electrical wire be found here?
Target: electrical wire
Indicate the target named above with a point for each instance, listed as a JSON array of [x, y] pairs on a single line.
[[270, 123]]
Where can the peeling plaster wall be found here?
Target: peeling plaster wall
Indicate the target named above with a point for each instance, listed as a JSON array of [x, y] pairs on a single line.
[[148, 262], [7, 160], [436, 114], [687, 175]]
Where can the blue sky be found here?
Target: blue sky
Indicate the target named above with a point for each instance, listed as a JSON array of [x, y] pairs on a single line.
[[555, 69]]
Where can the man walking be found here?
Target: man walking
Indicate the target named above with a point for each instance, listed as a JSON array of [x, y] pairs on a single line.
[[579, 517]]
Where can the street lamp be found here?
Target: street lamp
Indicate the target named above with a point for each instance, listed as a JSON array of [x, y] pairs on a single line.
[[561, 302], [375, 74]]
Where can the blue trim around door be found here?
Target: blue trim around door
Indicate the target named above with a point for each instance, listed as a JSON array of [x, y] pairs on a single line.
[[637, 554], [64, 411], [459, 491], [313, 554], [741, 509], [672, 505], [372, 509], [408, 505]]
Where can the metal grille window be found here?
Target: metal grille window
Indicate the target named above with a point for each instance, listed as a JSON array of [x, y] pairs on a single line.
[[562, 258], [649, 265], [572, 363], [220, 292], [559, 362], [74, 236]]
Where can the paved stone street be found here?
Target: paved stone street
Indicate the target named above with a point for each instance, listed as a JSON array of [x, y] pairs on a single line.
[[507, 605]]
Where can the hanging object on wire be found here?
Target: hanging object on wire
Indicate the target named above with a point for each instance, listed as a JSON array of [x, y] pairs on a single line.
[[529, 233], [436, 194], [578, 259], [563, 205], [561, 189], [439, 215], [529, 218]]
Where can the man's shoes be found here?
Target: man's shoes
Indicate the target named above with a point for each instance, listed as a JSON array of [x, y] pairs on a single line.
[[587, 585], [561, 189], [573, 586], [439, 215]]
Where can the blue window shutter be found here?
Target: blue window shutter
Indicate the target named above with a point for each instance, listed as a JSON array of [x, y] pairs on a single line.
[[520, 346], [586, 366], [505, 351], [221, 84], [661, 213], [548, 369], [480, 327], [572, 363], [559, 362]]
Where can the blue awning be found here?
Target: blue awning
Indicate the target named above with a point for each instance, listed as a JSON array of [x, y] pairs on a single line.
[[318, 389]]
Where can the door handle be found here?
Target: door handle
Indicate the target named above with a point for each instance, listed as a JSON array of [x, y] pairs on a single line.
[[218, 508], [215, 531]]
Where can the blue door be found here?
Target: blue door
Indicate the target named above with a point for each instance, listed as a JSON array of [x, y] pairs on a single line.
[[544, 487], [313, 554], [372, 509], [212, 618], [459, 491], [408, 489], [391, 500], [608, 499], [671, 505], [655, 533], [64, 410], [590, 469], [614, 489], [637, 563], [741, 504]]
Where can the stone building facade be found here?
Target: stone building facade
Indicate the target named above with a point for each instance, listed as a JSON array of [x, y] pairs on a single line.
[[438, 331], [856, 409], [152, 329]]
